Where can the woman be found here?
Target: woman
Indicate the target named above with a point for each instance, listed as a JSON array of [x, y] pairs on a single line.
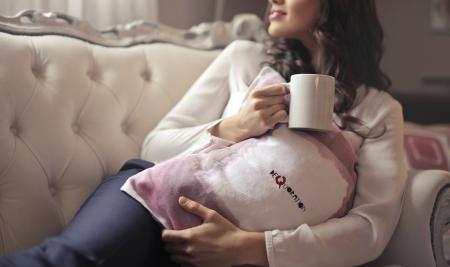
[[338, 38]]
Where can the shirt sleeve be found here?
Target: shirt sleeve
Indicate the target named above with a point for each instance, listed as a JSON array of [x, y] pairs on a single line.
[[185, 128], [363, 233]]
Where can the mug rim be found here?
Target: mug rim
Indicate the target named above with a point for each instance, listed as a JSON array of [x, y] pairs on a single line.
[[313, 74]]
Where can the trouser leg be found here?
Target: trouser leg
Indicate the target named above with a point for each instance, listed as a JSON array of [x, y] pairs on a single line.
[[110, 229]]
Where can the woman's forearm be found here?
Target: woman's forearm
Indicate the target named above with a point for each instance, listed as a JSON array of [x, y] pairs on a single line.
[[253, 246]]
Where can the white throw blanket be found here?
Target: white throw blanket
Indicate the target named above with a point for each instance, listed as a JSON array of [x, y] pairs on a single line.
[[277, 181]]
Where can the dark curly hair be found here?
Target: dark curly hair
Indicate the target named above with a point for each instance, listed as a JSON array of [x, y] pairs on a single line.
[[350, 43]]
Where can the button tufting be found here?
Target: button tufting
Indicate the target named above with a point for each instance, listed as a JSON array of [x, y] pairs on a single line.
[[75, 128], [14, 130], [38, 71], [146, 75], [52, 190], [125, 128], [93, 75]]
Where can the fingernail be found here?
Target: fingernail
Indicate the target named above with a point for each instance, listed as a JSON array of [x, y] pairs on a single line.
[[182, 200]]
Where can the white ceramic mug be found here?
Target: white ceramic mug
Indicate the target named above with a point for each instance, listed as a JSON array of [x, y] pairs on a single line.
[[311, 101]]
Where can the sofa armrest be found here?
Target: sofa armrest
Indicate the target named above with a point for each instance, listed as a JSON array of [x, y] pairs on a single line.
[[417, 240]]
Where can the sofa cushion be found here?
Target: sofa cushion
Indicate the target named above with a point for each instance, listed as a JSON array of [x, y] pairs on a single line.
[[72, 113]]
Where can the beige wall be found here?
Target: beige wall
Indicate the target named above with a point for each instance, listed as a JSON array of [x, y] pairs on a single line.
[[184, 14], [413, 51], [233, 7]]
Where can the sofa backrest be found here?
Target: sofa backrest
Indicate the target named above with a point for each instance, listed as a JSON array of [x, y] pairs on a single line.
[[71, 113]]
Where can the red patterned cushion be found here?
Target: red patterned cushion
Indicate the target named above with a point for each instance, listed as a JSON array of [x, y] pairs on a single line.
[[427, 147]]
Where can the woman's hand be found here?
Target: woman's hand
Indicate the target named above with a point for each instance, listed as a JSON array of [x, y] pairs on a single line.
[[263, 109], [216, 242]]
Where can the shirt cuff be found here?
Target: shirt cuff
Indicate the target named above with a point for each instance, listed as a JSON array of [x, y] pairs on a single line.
[[270, 248]]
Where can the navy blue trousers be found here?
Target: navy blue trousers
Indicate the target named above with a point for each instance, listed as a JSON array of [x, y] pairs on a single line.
[[110, 229]]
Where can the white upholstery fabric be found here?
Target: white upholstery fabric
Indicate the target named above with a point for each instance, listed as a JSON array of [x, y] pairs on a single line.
[[411, 243], [72, 113]]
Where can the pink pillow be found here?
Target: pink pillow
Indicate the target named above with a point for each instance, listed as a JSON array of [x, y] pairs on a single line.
[[427, 147], [278, 181]]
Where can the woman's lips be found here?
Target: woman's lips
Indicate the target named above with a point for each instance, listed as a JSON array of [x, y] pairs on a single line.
[[276, 14]]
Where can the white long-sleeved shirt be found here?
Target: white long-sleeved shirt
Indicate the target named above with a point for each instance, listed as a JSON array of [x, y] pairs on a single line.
[[354, 239]]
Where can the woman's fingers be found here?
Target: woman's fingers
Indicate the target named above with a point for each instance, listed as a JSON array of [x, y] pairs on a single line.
[[279, 116], [262, 103], [175, 235], [271, 90], [256, 116], [273, 115], [195, 208], [272, 110]]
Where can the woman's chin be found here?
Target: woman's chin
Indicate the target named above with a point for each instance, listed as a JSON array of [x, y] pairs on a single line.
[[276, 32]]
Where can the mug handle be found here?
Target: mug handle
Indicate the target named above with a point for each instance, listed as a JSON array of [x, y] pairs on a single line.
[[287, 85]]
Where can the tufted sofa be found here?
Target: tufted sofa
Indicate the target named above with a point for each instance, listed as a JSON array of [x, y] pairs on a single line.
[[75, 104]]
